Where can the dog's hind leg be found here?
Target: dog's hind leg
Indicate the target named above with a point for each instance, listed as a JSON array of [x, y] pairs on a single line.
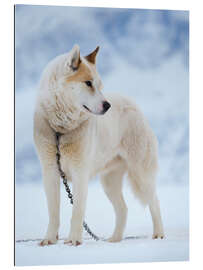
[[112, 185], [156, 217]]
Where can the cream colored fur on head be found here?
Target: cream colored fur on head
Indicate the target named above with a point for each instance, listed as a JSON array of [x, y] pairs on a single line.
[[63, 91], [96, 139]]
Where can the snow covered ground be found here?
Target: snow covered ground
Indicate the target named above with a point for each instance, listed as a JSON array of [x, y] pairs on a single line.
[[32, 218]]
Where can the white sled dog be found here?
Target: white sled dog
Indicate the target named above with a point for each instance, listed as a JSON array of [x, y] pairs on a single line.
[[106, 136]]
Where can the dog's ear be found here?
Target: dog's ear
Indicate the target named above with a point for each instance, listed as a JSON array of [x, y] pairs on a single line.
[[92, 56], [75, 57]]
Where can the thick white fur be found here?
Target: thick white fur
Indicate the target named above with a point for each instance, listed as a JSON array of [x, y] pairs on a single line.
[[118, 142]]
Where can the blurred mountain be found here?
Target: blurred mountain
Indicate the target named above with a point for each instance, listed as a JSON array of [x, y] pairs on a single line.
[[144, 55]]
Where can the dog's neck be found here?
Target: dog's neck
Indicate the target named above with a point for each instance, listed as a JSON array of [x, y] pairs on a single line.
[[63, 118], [68, 125], [68, 122], [74, 135]]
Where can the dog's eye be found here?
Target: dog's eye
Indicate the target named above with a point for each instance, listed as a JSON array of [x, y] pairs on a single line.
[[88, 83]]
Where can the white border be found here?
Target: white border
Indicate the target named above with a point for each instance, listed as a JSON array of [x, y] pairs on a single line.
[[155, 4], [196, 128]]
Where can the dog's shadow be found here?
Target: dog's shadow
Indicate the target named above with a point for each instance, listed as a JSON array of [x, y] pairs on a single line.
[[138, 237]]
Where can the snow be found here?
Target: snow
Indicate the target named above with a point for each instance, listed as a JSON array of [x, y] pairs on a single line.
[[32, 219]]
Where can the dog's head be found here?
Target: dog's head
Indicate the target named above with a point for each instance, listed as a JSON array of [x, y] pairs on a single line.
[[82, 83]]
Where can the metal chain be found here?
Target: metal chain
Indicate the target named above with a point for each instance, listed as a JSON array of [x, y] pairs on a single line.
[[67, 188], [40, 239], [101, 239]]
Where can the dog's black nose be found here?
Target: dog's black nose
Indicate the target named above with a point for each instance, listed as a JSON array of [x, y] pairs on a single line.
[[106, 106]]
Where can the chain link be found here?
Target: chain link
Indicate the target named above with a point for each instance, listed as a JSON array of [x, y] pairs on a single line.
[[67, 188]]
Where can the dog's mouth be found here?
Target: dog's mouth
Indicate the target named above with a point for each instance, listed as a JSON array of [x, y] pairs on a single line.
[[87, 108]]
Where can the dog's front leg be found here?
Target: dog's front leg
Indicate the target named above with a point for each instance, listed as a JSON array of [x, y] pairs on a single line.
[[51, 182], [80, 189]]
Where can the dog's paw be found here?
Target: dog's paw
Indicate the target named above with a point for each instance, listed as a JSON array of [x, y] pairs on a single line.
[[114, 239], [47, 242], [73, 241], [74, 238], [157, 235], [51, 241]]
